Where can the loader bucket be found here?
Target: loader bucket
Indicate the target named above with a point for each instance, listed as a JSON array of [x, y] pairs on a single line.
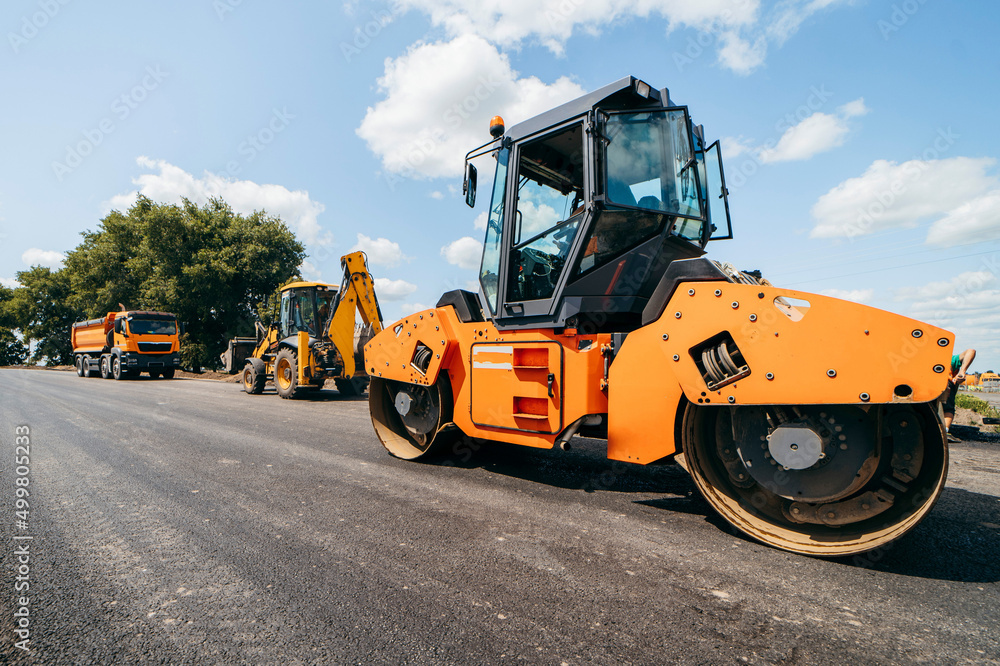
[[235, 356]]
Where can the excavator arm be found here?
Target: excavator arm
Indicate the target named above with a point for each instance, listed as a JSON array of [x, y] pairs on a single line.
[[357, 291]]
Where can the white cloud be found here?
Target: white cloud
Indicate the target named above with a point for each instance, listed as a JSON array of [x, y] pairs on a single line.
[[410, 308], [308, 271], [789, 16], [976, 221], [890, 195], [856, 295], [380, 251], [933, 293], [169, 183], [10, 283], [740, 29], [465, 253], [854, 108], [439, 98], [968, 305], [436, 195], [732, 147], [816, 134], [739, 55], [535, 218], [36, 257], [481, 220], [552, 22], [393, 290]]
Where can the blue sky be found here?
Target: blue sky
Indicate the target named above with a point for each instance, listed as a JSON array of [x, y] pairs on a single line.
[[859, 137]]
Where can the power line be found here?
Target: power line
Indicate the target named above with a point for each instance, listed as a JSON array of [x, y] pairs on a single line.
[[892, 268]]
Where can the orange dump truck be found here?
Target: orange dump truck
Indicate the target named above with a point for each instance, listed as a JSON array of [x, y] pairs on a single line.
[[126, 344]]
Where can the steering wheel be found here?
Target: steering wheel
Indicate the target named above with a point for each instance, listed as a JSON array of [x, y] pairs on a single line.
[[538, 260]]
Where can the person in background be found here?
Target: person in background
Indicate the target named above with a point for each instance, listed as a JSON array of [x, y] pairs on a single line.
[[959, 366]]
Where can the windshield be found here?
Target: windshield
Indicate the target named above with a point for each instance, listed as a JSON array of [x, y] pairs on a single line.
[[152, 326], [651, 165]]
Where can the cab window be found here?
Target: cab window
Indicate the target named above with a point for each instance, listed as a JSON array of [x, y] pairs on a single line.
[[286, 308], [490, 268]]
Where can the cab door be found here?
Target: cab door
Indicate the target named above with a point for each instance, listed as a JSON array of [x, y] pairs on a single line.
[[549, 181]]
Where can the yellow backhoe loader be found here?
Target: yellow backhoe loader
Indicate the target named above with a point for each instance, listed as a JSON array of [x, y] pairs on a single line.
[[314, 338]]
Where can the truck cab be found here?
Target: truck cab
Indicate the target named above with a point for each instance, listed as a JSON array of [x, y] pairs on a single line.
[[127, 343]]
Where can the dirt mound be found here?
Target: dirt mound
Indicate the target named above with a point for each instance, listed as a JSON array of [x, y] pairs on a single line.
[[209, 374]]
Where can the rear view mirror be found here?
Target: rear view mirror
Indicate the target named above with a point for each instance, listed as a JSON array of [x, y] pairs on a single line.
[[118, 327], [469, 186]]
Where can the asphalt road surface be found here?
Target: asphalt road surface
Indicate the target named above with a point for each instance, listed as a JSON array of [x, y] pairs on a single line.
[[992, 398], [185, 522]]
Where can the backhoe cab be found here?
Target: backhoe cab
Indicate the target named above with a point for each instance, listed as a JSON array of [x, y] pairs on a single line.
[[807, 422], [314, 337]]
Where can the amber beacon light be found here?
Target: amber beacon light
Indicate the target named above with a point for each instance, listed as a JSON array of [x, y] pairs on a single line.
[[496, 127]]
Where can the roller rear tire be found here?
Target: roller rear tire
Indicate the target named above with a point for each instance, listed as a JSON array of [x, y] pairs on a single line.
[[825, 481]]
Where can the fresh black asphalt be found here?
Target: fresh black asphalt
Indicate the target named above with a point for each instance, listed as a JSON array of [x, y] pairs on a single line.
[[184, 522]]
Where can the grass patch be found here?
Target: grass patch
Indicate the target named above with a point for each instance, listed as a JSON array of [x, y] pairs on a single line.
[[979, 406]]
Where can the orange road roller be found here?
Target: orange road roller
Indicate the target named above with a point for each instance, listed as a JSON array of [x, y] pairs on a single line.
[[810, 423]]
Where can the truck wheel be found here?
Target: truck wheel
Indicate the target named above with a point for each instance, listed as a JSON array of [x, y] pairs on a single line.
[[79, 365], [286, 373], [253, 383], [168, 373], [117, 370], [105, 367]]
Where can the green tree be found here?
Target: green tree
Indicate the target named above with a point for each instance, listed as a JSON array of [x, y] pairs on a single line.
[[12, 350], [44, 310], [208, 265]]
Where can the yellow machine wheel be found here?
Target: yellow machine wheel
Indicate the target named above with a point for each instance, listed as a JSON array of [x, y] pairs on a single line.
[[253, 382], [410, 420], [827, 480], [286, 373]]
